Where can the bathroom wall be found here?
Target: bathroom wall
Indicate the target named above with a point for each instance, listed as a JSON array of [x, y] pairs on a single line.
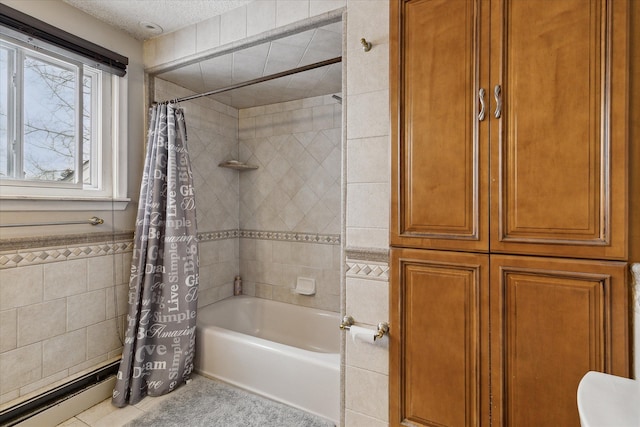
[[368, 170], [74, 21], [63, 288], [212, 137], [61, 309], [279, 221], [366, 167], [290, 206]]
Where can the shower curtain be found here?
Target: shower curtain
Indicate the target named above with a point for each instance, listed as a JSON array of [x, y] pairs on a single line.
[[163, 287]]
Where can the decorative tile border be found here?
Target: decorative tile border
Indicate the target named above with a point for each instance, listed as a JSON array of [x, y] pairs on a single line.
[[289, 236], [367, 254], [24, 243], [218, 235], [32, 251], [22, 258], [292, 236], [367, 270], [367, 263]]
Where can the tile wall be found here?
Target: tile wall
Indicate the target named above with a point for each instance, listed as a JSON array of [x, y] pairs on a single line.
[[294, 195], [63, 295], [61, 313], [275, 223], [367, 209], [367, 166], [212, 137]]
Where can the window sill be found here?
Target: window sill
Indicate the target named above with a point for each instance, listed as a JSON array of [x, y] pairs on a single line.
[[15, 203]]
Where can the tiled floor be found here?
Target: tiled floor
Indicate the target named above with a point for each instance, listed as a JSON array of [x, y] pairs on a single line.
[[104, 414]]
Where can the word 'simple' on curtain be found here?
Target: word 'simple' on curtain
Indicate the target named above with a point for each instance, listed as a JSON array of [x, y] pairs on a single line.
[[163, 287]]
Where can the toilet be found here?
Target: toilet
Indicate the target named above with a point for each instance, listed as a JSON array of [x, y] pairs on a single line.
[[608, 401]]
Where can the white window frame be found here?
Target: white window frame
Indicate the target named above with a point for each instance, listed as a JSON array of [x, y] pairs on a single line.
[[110, 189]]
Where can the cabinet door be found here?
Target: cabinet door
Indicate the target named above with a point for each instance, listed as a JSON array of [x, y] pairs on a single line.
[[439, 162], [558, 149], [552, 321], [438, 339]]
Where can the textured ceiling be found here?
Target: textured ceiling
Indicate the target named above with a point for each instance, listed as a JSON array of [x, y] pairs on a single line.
[[246, 64], [170, 15]]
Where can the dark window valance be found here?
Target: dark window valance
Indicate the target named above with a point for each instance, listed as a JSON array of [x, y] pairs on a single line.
[[41, 35]]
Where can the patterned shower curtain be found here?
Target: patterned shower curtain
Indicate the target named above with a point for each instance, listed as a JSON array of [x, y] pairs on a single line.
[[163, 287]]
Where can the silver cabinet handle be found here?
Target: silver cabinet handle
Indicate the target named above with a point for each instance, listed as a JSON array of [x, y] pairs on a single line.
[[481, 94], [497, 92]]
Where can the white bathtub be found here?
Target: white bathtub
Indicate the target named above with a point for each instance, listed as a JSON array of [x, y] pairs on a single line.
[[282, 351]]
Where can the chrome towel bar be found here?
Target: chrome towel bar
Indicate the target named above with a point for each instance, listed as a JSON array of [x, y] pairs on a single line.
[[93, 221]]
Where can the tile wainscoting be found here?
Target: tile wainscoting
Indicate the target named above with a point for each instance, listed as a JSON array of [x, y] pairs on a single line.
[[62, 308], [367, 366], [73, 295]]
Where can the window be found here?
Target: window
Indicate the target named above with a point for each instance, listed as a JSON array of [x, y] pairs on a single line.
[[61, 124]]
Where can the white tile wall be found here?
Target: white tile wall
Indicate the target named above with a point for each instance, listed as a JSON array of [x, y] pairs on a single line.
[[289, 11], [367, 222], [218, 267], [9, 334], [63, 351], [37, 322], [233, 25], [270, 268], [21, 287], [367, 177], [318, 7], [261, 17], [297, 147], [64, 272], [58, 315], [19, 368], [86, 309], [355, 419], [212, 130], [366, 393], [376, 295], [207, 34], [369, 160]]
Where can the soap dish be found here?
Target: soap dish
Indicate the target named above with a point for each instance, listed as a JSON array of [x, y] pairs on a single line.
[[305, 286]]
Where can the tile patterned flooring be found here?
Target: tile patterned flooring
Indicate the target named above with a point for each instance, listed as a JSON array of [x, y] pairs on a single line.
[[104, 414]]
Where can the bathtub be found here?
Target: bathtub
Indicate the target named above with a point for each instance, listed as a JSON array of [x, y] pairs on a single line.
[[285, 352]]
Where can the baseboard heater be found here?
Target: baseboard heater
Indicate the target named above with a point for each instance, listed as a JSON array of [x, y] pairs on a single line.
[[18, 413]]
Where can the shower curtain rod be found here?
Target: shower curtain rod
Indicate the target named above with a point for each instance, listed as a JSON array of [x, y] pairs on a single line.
[[258, 80]]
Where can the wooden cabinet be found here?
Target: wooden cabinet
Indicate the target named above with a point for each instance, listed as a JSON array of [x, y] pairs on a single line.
[[529, 118], [501, 340], [509, 155], [441, 339], [559, 148], [439, 53], [552, 321]]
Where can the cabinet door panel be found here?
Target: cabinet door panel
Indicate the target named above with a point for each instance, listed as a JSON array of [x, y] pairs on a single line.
[[439, 365], [552, 321], [439, 166], [562, 133]]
